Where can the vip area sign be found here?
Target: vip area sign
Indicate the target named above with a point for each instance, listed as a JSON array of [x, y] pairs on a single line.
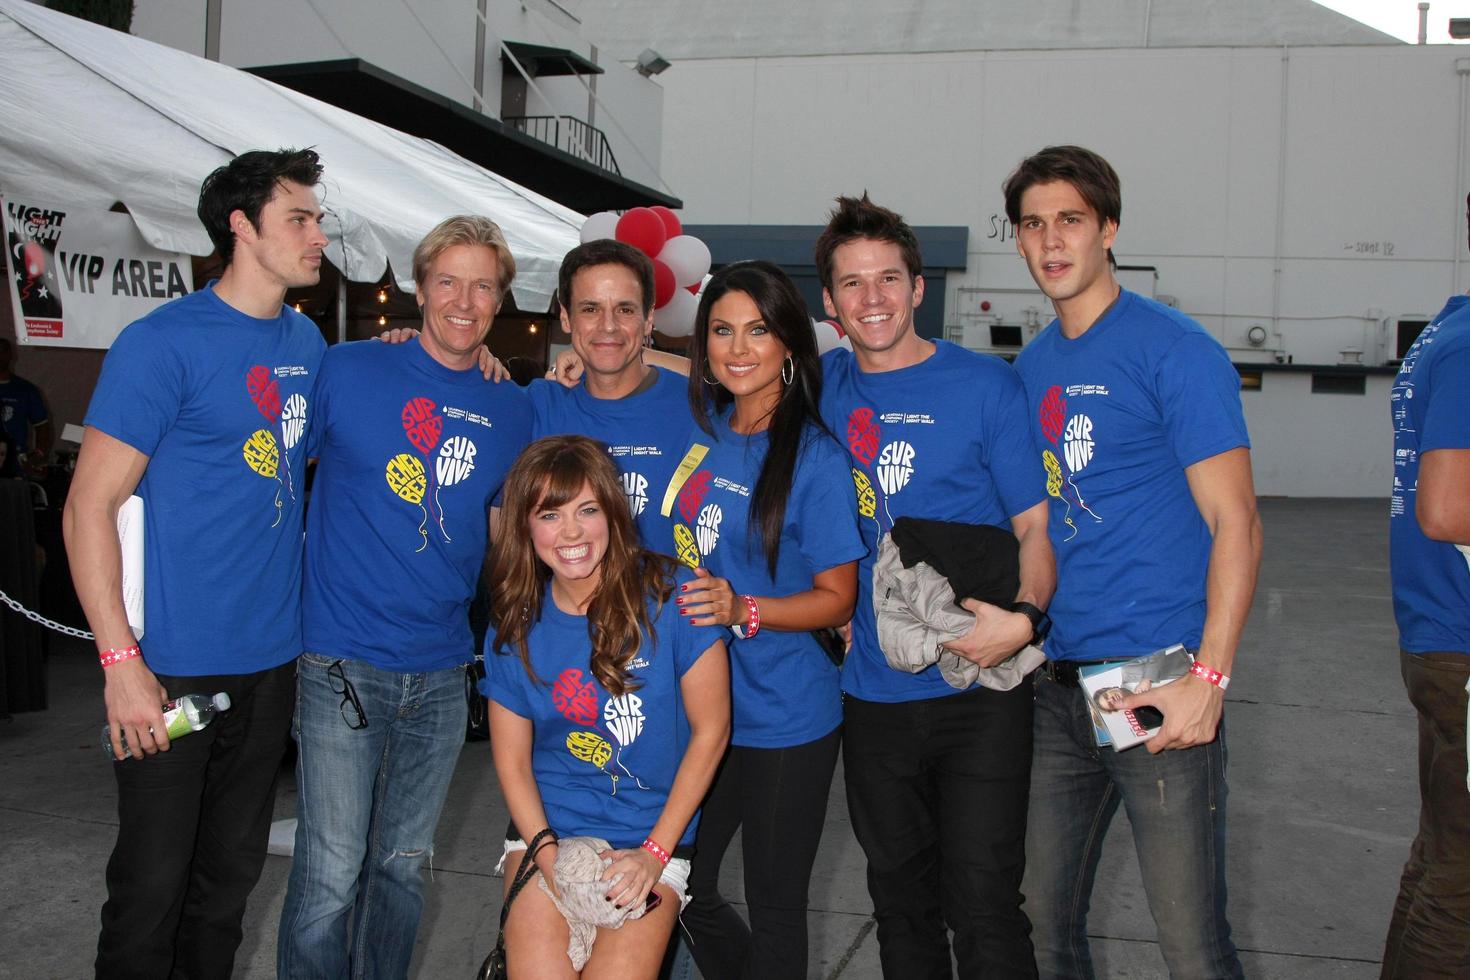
[[78, 277]]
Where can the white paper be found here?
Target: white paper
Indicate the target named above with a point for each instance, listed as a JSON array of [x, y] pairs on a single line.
[[130, 538]]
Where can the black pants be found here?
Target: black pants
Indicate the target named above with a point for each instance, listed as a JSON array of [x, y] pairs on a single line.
[[193, 823], [779, 797], [937, 791]]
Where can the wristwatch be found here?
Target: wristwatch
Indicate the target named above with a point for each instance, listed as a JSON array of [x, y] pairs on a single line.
[[1040, 621]]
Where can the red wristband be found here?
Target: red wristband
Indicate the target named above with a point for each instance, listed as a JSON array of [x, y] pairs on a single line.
[[656, 851], [753, 623], [1209, 675], [118, 655]]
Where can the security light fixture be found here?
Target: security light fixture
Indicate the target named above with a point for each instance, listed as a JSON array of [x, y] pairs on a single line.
[[1460, 28], [651, 63]]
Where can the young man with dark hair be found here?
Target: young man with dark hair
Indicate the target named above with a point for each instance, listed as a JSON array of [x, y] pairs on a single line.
[[1429, 547], [1136, 415], [203, 410], [936, 777], [413, 446]]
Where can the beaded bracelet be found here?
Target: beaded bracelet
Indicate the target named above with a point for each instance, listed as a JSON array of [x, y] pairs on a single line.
[[656, 851], [118, 655]]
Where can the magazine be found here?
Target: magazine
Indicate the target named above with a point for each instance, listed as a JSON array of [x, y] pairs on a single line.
[[1107, 684], [130, 540]]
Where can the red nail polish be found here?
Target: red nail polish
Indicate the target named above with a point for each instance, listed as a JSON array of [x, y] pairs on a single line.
[[684, 587], [683, 612], [678, 600]]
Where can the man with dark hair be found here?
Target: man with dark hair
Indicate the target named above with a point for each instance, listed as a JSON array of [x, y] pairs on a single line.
[[1429, 547], [936, 777], [23, 413], [605, 289], [1136, 416], [413, 446], [202, 409]]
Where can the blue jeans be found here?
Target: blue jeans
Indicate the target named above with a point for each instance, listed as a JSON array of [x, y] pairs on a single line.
[[368, 802], [1176, 805]]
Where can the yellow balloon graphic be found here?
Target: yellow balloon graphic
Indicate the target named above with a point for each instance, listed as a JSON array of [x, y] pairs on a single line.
[[261, 454], [684, 547], [589, 747], [406, 477], [1053, 473], [867, 499]]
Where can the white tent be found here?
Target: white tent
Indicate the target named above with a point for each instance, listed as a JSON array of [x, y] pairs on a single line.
[[92, 116]]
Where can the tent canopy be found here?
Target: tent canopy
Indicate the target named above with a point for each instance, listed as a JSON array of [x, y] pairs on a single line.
[[93, 116]]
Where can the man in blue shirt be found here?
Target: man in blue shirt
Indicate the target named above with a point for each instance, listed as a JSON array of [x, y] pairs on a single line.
[[1429, 547], [203, 408], [1136, 415], [413, 446], [23, 409]]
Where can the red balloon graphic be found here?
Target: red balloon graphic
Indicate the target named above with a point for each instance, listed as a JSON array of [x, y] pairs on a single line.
[[34, 259], [1053, 413], [644, 230], [862, 435], [672, 227], [663, 284], [693, 494], [264, 391], [421, 424], [574, 698]]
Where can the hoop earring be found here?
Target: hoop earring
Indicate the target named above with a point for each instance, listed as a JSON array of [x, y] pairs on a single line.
[[789, 368], [705, 377]]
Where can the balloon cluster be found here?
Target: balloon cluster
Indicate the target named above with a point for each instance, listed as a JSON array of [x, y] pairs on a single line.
[[680, 262]]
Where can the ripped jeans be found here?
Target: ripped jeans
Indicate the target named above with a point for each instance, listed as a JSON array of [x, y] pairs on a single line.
[[369, 800], [1175, 803]]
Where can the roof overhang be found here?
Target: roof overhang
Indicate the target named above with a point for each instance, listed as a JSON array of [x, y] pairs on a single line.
[[541, 61]]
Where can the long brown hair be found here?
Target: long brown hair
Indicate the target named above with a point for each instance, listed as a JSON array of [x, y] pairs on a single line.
[[548, 474]]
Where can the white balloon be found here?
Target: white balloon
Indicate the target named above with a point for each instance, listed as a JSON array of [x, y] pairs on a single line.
[[827, 337], [676, 318], [687, 257], [603, 224]]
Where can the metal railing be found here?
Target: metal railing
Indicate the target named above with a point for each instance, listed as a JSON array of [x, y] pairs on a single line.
[[569, 135]]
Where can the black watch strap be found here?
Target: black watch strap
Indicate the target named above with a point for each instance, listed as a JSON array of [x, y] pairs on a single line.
[[1040, 621]]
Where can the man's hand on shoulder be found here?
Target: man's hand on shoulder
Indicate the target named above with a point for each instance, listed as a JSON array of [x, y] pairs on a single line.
[[1191, 708], [996, 636], [567, 369]]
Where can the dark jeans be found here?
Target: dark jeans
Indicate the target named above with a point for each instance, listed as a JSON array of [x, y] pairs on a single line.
[[1429, 935], [779, 798], [937, 792], [192, 829], [1176, 805]]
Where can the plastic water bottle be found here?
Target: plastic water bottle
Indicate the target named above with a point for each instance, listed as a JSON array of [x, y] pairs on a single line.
[[180, 717]]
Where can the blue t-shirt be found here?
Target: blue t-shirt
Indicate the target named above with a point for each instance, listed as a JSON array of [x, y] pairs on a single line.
[[784, 689], [1431, 410], [604, 766], [1120, 413], [220, 402], [645, 434], [944, 439], [412, 454], [21, 406]]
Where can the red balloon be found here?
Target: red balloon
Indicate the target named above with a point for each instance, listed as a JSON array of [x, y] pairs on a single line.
[[264, 391], [1053, 413], [575, 698], [862, 435], [672, 227], [663, 284], [422, 424], [693, 494], [644, 230]]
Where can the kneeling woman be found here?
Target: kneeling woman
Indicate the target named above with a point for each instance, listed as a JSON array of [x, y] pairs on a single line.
[[609, 711]]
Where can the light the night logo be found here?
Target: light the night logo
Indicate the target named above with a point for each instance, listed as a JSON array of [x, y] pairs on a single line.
[[635, 488]]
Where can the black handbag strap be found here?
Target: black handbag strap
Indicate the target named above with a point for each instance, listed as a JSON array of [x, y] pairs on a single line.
[[526, 871]]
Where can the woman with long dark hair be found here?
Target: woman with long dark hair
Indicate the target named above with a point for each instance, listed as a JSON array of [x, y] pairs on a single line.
[[768, 513], [608, 711]]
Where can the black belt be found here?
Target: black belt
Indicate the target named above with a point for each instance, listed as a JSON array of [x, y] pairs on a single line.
[[1065, 672]]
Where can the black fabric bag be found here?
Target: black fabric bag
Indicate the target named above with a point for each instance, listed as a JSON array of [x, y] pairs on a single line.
[[494, 967]]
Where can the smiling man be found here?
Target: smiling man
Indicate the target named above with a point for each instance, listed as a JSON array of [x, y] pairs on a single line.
[[414, 445], [1136, 415], [202, 407], [936, 777]]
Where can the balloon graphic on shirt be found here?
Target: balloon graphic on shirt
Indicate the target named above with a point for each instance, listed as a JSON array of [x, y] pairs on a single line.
[[862, 435], [590, 747], [624, 718], [456, 460], [263, 456], [707, 530], [685, 547], [1078, 446], [1053, 473], [895, 466], [867, 500], [293, 420], [1059, 485], [635, 488], [406, 478], [1052, 414], [422, 424], [574, 697], [265, 392], [692, 495]]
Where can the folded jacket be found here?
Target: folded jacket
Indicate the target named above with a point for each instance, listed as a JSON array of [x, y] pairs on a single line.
[[583, 900]]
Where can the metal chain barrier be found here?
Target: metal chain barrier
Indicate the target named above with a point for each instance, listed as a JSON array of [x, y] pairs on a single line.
[[42, 620]]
